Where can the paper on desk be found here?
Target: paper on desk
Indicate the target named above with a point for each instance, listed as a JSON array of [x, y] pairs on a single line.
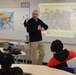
[[14, 42]]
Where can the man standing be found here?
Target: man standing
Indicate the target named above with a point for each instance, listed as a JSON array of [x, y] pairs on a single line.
[[34, 28]]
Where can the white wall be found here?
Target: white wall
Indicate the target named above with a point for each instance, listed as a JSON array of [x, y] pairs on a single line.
[[48, 53]]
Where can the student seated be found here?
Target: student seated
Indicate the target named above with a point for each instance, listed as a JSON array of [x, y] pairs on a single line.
[[60, 56], [6, 60]]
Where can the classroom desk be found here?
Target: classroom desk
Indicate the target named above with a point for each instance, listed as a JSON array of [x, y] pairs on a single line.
[[16, 56], [22, 52], [40, 70], [3, 41], [18, 43]]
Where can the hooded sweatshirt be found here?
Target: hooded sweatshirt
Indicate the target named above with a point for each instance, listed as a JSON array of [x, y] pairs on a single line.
[[60, 59]]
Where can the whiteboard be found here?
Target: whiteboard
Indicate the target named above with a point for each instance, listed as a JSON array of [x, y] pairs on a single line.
[[19, 31]]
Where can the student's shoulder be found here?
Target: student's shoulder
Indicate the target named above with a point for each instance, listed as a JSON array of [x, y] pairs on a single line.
[[15, 70], [53, 62], [71, 52]]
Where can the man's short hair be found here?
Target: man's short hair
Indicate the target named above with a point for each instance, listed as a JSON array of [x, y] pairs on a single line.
[[56, 46], [35, 11]]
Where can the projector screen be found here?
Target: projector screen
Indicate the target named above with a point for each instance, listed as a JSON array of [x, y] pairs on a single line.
[[61, 20], [60, 17]]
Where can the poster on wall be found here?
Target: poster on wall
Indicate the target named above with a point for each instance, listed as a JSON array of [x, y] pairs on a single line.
[[6, 20], [25, 5]]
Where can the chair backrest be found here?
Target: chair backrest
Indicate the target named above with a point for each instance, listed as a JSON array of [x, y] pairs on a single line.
[[72, 63], [71, 70]]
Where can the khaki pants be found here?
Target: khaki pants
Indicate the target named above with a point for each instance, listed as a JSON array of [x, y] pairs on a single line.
[[37, 47]]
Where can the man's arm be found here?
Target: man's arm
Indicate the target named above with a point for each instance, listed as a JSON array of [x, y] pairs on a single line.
[[31, 29], [44, 25], [25, 23]]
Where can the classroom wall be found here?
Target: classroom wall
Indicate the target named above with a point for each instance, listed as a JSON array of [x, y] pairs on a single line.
[[48, 53]]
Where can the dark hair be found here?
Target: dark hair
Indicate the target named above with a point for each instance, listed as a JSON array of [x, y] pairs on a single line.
[[56, 46], [15, 71], [6, 59]]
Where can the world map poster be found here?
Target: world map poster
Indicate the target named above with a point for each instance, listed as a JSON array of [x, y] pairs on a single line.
[[6, 20]]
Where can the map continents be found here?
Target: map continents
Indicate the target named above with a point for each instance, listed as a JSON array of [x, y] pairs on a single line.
[[6, 20]]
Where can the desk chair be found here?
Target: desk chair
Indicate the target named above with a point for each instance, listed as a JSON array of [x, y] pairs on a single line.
[[20, 56], [24, 52], [71, 70], [72, 64]]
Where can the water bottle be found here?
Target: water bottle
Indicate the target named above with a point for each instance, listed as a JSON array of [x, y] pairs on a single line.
[[27, 38]]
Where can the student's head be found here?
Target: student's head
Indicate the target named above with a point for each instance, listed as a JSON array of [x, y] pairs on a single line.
[[56, 46], [35, 14], [6, 60]]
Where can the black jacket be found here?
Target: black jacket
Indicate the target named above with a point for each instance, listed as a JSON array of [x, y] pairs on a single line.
[[34, 34], [25, 23]]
